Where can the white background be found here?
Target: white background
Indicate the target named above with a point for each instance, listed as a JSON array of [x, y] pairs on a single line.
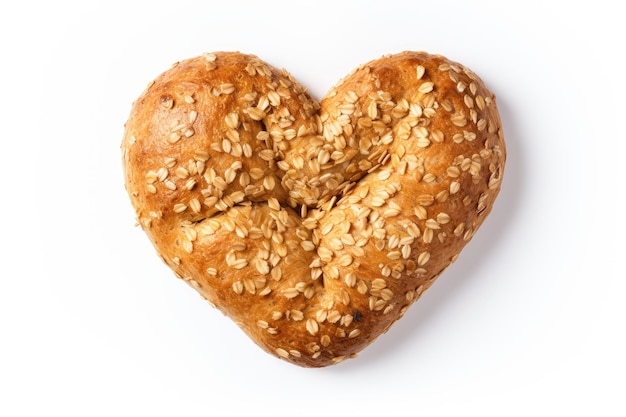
[[529, 321]]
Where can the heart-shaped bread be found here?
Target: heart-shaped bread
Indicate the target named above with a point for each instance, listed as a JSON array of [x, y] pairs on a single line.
[[314, 226]]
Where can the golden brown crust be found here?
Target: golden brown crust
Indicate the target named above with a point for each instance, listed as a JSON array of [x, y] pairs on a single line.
[[313, 226]]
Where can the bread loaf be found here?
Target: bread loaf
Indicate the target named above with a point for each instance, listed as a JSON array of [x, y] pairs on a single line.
[[313, 225]]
